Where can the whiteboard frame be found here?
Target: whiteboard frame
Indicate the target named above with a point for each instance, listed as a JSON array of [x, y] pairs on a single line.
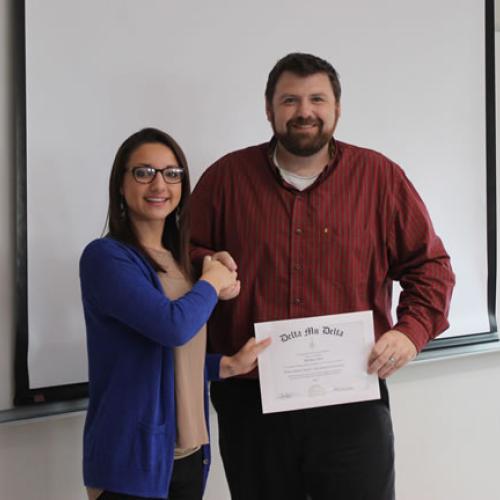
[[439, 347]]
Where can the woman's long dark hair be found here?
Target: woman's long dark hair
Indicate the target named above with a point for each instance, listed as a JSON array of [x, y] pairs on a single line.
[[175, 233]]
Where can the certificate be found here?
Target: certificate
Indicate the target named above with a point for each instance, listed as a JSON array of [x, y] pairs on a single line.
[[316, 361]]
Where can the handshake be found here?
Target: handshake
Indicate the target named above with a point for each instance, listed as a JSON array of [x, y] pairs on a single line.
[[220, 271]]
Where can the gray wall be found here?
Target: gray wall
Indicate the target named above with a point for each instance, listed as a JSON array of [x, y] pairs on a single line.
[[446, 413]]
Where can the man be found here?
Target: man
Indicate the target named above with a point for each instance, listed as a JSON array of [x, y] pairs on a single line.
[[316, 227]]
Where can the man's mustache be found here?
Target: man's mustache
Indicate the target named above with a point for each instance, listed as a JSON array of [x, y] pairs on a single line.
[[300, 121]]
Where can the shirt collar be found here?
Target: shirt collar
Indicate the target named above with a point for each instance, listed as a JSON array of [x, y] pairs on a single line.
[[332, 151]]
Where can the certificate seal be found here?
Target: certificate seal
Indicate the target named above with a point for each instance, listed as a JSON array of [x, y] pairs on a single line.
[[316, 390]]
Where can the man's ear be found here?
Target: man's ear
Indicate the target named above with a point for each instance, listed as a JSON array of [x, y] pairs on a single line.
[[269, 112]]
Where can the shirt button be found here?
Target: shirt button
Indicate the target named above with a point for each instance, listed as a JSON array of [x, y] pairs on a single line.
[[297, 300], [298, 267], [205, 461], [298, 230]]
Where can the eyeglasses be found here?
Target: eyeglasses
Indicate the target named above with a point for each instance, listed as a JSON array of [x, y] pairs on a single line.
[[146, 175]]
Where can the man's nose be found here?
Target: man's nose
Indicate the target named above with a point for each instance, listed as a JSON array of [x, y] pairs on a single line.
[[304, 109]]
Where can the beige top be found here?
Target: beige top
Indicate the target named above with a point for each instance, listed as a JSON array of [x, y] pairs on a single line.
[[93, 493], [189, 365]]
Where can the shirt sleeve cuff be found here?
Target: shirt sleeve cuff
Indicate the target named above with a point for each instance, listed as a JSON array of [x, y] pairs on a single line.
[[207, 290], [212, 363], [415, 331]]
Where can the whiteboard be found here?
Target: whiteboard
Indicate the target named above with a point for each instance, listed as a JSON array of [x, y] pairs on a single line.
[[413, 88]]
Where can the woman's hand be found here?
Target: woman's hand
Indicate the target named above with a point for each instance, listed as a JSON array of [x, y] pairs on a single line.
[[218, 275], [233, 291], [244, 361]]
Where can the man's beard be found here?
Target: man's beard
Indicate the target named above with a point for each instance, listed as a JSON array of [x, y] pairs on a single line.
[[303, 143]]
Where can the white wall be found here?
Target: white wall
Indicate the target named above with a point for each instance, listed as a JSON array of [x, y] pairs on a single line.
[[446, 413]]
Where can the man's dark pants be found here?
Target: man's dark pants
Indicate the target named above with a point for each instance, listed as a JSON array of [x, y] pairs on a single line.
[[338, 452]]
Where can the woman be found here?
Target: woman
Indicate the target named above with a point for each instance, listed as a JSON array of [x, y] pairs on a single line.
[[146, 432]]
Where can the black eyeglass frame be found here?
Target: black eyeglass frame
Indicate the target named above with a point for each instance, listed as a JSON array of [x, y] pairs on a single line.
[[162, 171]]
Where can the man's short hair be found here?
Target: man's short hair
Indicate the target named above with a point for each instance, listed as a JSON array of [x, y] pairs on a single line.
[[302, 65]]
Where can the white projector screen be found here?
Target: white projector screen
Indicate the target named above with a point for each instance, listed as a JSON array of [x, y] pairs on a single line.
[[414, 82]]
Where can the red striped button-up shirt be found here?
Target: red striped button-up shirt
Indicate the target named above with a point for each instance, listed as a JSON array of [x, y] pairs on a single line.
[[335, 247]]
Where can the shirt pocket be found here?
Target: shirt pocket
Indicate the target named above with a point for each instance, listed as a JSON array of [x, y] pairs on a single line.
[[346, 255]]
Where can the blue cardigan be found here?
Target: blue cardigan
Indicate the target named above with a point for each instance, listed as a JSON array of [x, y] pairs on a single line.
[[130, 429]]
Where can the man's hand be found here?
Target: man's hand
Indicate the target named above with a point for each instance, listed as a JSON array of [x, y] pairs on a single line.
[[233, 291], [392, 351]]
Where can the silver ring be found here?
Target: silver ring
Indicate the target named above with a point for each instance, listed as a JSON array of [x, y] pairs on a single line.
[[392, 360]]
